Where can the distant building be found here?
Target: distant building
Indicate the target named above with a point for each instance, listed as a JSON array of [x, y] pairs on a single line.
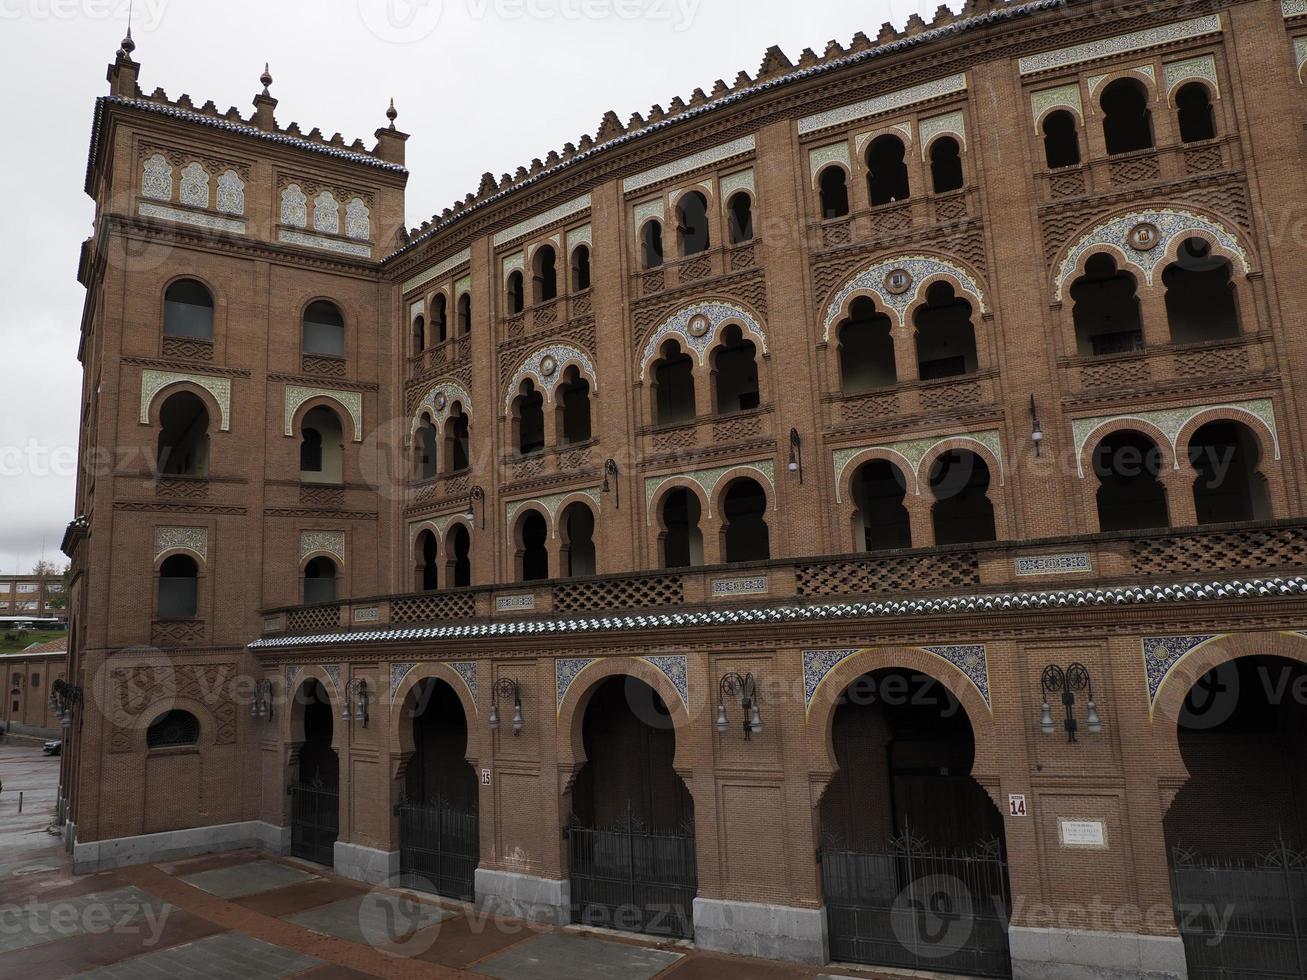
[[38, 596], [28, 675]]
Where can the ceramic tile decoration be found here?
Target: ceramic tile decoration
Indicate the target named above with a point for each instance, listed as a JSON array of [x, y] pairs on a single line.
[[1061, 97], [566, 670], [676, 669], [294, 207], [326, 214], [1202, 68], [822, 156], [547, 381], [327, 244], [192, 539], [910, 454], [351, 401], [717, 315], [397, 674], [231, 193], [358, 220], [153, 382], [195, 186], [552, 503], [550, 217], [708, 480], [951, 123], [468, 672], [890, 102], [697, 161], [1120, 44], [212, 222], [924, 269], [156, 178], [436, 271], [444, 394], [330, 542], [1161, 654]]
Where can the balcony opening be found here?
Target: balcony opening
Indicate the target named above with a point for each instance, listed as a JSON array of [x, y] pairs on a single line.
[[735, 372], [529, 419], [439, 318], [426, 449], [578, 544], [1105, 309], [322, 447], [178, 587], [458, 557], [544, 274], [320, 581], [673, 375], [1200, 300], [1127, 122], [1130, 495], [1228, 487], [573, 396], [881, 520], [457, 446], [419, 334], [834, 185], [740, 211], [533, 555], [188, 310], [515, 296], [866, 349], [744, 510], [946, 165], [962, 512], [427, 560], [183, 447], [581, 268], [1061, 142], [324, 329], [692, 223], [682, 537], [465, 314], [887, 174], [651, 245], [1193, 109], [946, 340]]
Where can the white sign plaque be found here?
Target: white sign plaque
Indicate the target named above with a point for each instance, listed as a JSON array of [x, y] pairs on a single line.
[[485, 777], [515, 603], [1083, 833], [1016, 805]]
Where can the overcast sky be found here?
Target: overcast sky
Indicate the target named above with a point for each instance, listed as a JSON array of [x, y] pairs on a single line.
[[480, 84]]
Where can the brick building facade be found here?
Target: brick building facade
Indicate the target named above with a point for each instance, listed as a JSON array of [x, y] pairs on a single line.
[[726, 480]]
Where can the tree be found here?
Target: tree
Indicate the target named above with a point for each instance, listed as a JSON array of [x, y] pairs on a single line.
[[47, 570]]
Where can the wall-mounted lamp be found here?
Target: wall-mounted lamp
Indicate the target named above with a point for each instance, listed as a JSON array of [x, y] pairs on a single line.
[[796, 454], [1067, 683], [506, 688], [476, 496], [357, 692], [64, 699], [261, 706], [611, 484], [746, 689], [1036, 430]]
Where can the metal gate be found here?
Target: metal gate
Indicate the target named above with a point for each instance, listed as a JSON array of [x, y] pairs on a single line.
[[913, 906], [634, 880], [439, 848], [314, 821], [1242, 918]]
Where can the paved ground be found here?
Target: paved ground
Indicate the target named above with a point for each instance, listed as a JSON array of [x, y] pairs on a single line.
[[244, 915]]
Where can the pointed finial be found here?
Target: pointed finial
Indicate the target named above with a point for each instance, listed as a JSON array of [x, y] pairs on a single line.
[[392, 113], [128, 46], [266, 78]]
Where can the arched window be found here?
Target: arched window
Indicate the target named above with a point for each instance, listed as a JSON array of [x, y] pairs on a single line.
[[962, 512], [324, 329], [188, 310], [1061, 142], [320, 581], [322, 448], [744, 510], [458, 562], [544, 274], [465, 314], [426, 449], [692, 223], [834, 193], [173, 729], [1193, 109], [580, 268], [578, 547], [1130, 497], [682, 538], [439, 319], [529, 418], [419, 334], [946, 340], [740, 210], [1228, 487], [945, 165], [533, 556], [178, 587], [183, 436], [573, 397], [673, 375], [516, 297], [457, 444], [887, 174], [735, 372], [1200, 299], [426, 555], [1105, 309], [866, 349], [651, 244], [881, 521], [1127, 122]]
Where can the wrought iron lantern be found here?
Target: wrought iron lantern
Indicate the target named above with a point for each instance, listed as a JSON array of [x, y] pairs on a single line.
[[611, 484], [506, 687], [477, 495], [1036, 430], [745, 688], [356, 691], [1068, 683], [261, 706], [796, 454], [64, 699]]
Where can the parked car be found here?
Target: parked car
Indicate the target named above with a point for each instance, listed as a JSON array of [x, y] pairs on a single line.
[[53, 747]]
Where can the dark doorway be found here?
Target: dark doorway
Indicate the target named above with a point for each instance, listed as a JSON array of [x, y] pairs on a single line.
[[315, 795]]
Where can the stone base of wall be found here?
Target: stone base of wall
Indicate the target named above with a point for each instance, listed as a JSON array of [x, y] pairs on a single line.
[[33, 732], [366, 864], [1070, 954], [524, 896], [173, 845], [770, 932]]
